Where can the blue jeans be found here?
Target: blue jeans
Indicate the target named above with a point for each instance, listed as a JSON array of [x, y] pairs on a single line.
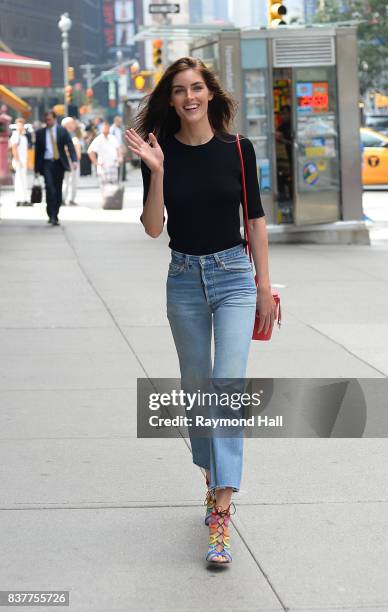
[[203, 292]]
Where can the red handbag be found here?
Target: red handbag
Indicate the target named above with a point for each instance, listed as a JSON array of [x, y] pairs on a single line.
[[278, 315]]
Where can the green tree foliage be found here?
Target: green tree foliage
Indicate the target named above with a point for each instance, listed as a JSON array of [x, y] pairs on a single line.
[[372, 34]]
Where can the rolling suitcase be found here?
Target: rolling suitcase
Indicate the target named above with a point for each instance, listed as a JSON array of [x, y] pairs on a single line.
[[112, 196], [112, 189]]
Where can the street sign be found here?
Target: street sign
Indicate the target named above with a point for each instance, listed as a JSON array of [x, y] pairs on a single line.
[[164, 8], [108, 76]]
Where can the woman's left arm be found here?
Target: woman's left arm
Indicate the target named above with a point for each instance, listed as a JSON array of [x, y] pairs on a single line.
[[265, 303]]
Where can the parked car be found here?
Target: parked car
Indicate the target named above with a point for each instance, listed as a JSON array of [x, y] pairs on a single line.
[[375, 157], [379, 123]]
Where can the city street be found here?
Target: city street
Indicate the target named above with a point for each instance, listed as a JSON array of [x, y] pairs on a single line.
[[118, 521]]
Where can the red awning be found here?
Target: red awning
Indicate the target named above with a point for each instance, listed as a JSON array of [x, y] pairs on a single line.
[[20, 71]]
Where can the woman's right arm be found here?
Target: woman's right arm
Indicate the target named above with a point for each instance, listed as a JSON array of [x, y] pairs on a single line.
[[152, 155]]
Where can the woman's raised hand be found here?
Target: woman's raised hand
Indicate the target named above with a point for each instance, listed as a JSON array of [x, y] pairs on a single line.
[[150, 153]]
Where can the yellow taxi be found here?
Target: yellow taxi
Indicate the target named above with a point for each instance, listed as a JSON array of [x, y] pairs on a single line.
[[375, 157]]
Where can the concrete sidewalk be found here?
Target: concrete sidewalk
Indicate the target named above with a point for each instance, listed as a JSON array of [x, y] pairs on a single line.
[[90, 181], [87, 507]]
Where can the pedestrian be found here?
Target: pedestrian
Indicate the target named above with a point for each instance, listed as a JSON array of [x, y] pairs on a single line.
[[190, 165], [71, 176], [90, 133], [105, 154], [19, 147], [117, 129], [98, 124], [80, 134], [51, 161], [118, 132]]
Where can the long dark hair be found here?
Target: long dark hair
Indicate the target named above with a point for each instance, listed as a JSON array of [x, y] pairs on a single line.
[[158, 116]]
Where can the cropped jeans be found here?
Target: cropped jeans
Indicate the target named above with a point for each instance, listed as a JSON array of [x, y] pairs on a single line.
[[207, 292]]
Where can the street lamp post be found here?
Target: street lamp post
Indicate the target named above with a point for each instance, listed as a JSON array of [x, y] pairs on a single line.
[[64, 24]]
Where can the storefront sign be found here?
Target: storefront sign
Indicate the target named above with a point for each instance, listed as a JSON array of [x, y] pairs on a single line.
[[20, 71], [313, 97], [118, 24]]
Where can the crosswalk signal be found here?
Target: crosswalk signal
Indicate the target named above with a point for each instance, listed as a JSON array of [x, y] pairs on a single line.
[[139, 82], [157, 51], [276, 12]]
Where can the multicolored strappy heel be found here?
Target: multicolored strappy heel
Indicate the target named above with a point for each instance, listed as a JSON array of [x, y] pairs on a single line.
[[219, 536], [209, 502]]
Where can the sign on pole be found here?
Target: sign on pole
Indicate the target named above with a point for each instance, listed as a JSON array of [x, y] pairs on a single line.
[[109, 75], [164, 8]]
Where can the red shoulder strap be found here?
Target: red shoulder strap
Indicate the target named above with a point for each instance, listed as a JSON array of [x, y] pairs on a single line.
[[246, 226]]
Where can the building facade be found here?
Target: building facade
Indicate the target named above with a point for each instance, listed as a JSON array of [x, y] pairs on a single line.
[[121, 20], [31, 29]]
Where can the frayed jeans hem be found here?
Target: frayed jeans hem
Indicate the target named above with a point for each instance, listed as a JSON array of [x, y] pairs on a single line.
[[235, 490]]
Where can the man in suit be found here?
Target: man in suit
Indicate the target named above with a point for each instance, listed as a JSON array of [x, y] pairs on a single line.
[[51, 161]]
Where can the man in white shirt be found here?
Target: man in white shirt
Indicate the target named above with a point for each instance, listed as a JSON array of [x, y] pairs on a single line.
[[105, 153], [71, 176], [19, 147]]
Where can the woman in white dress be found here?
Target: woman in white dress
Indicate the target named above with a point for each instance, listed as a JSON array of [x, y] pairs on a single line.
[[19, 148]]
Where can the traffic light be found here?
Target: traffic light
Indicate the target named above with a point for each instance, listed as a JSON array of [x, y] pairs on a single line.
[[89, 92], [276, 13], [70, 73], [157, 52], [68, 94], [139, 82]]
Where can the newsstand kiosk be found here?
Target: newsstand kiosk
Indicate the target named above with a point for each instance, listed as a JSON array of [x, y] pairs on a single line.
[[297, 90]]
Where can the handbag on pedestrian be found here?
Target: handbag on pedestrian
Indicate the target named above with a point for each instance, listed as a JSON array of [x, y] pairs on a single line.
[[36, 191], [256, 335]]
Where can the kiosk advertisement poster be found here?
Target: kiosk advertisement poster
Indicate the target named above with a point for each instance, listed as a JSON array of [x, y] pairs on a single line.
[[316, 136]]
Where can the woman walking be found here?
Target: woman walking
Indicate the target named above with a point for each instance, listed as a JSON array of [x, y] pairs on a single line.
[[190, 165], [19, 147]]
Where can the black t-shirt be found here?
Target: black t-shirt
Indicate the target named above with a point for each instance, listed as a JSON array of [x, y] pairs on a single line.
[[202, 192]]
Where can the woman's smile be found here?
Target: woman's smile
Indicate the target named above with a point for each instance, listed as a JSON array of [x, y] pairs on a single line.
[[191, 108]]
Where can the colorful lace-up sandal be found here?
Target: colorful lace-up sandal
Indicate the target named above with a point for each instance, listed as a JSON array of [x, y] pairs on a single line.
[[209, 502], [219, 537]]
